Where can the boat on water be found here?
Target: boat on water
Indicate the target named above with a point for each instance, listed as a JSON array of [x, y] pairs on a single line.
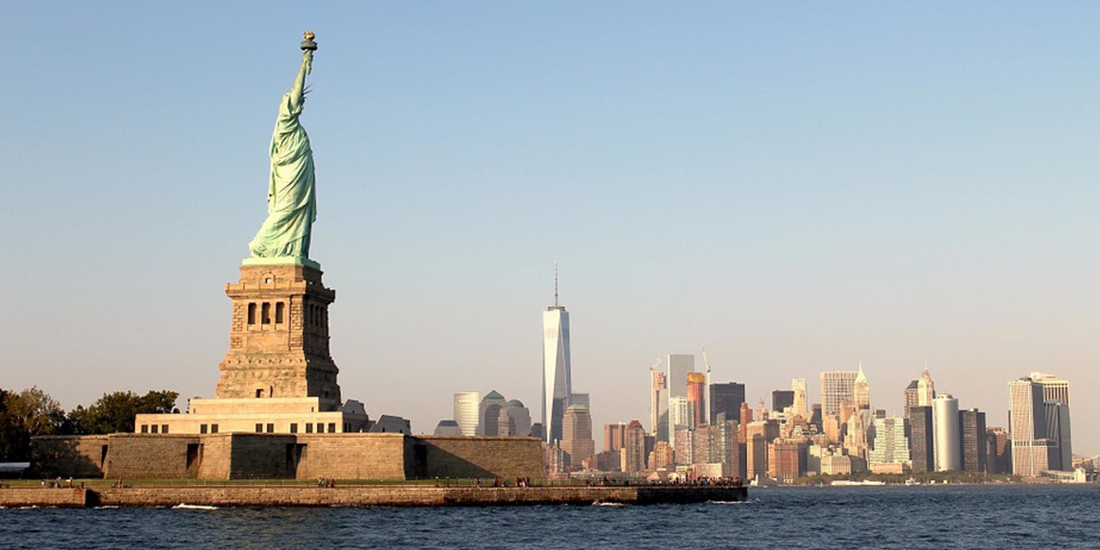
[[184, 506], [864, 483]]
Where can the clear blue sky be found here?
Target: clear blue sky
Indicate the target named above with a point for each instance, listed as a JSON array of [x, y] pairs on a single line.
[[794, 187]]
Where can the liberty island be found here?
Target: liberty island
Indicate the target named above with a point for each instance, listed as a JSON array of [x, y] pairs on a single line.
[[279, 414]]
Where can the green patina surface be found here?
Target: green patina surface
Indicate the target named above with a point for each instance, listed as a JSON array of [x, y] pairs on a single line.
[[291, 200]]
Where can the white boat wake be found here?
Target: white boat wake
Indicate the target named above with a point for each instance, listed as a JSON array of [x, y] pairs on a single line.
[[182, 506]]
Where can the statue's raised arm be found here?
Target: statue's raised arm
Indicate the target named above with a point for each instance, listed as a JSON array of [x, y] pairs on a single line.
[[298, 90], [291, 202]]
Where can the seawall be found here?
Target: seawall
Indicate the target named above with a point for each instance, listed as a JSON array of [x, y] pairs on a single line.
[[44, 497], [351, 496]]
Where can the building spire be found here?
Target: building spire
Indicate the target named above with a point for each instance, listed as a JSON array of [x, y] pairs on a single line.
[[555, 284]]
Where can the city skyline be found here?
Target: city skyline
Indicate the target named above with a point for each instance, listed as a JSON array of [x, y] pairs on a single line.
[[794, 190]]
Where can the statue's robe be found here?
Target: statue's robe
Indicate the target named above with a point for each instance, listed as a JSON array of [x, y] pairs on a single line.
[[291, 200]]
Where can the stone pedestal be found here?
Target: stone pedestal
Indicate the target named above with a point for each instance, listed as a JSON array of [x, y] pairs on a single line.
[[279, 337]]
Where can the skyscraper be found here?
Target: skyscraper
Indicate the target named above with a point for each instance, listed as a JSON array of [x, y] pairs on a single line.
[[489, 413], [633, 450], [726, 447], [816, 417], [679, 365], [855, 436], [837, 386], [726, 398], [787, 459], [909, 398], [745, 417], [556, 371], [861, 392], [577, 434], [580, 399], [1054, 388], [1057, 390], [921, 445], [466, 409], [678, 415], [696, 395], [998, 451], [972, 423], [1032, 452], [514, 420], [757, 437], [683, 439], [662, 456], [614, 436], [926, 389], [800, 405], [945, 425], [1052, 414], [781, 399], [891, 449], [662, 427], [657, 382]]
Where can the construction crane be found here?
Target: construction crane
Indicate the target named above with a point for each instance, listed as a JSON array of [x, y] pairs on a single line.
[[653, 367], [707, 401]]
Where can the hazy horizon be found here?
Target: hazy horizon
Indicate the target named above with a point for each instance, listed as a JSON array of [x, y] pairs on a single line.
[[793, 188]]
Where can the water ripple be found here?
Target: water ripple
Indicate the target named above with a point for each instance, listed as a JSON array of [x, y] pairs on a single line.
[[880, 518]]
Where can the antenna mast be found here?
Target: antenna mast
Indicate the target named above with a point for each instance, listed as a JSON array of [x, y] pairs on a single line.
[[555, 284]]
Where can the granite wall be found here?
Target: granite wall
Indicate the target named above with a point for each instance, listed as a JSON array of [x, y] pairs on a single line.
[[69, 456], [224, 456], [468, 457], [154, 456], [378, 456]]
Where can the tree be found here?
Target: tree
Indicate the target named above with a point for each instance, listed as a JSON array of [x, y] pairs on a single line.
[[31, 412], [159, 402], [115, 412], [8, 431]]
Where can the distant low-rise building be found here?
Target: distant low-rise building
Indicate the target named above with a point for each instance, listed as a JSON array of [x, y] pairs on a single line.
[[606, 461], [391, 424], [836, 464], [447, 427]]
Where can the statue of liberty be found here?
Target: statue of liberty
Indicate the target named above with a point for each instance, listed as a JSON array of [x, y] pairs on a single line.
[[291, 202]]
